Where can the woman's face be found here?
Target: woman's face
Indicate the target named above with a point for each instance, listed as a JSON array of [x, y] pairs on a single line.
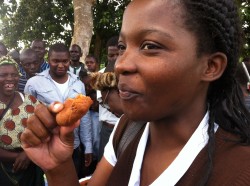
[[113, 100], [9, 78], [159, 71]]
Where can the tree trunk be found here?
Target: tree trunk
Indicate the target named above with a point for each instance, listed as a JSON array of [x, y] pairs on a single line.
[[83, 25]]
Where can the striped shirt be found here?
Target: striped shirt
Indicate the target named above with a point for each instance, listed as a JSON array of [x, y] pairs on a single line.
[[24, 78]]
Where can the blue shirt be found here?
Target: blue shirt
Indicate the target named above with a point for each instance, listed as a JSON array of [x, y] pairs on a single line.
[[44, 89], [23, 79]]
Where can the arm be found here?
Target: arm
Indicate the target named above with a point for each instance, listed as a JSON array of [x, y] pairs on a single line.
[[86, 133], [63, 175], [7, 156], [29, 88], [85, 128], [50, 146], [101, 174]]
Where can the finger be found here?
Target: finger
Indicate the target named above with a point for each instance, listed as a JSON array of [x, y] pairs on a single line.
[[16, 166], [45, 116], [14, 169], [35, 125], [67, 134], [29, 139], [55, 107]]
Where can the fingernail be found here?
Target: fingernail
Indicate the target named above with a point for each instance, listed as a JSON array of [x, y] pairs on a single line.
[[57, 106]]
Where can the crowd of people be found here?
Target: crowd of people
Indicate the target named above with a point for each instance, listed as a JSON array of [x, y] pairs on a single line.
[[37, 80], [171, 106]]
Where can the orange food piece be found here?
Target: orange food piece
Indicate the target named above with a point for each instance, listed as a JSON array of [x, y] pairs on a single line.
[[74, 109]]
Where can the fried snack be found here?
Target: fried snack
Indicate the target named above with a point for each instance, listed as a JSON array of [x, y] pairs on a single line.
[[74, 109]]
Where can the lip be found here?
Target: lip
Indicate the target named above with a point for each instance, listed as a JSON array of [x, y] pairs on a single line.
[[126, 92], [9, 86], [61, 71]]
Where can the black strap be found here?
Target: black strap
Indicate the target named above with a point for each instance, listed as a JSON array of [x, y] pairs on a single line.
[[7, 107]]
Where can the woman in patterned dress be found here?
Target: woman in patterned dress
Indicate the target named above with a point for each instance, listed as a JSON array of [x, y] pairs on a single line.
[[15, 168]]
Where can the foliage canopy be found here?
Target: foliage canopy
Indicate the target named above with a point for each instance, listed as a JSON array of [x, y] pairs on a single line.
[[52, 20]]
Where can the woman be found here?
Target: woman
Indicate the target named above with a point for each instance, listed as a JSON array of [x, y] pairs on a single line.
[[107, 84], [15, 108], [176, 72]]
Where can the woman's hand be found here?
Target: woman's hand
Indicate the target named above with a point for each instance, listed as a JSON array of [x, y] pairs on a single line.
[[21, 163], [47, 144]]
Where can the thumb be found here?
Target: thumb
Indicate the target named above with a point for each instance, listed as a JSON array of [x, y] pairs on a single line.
[[55, 107], [67, 133]]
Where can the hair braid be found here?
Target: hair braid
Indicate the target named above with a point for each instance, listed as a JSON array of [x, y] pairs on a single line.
[[216, 25]]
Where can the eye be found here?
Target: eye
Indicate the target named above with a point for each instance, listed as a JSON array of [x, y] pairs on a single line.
[[150, 46], [121, 48]]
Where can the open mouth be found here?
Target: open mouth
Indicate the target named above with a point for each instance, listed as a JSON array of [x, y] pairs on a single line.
[[9, 86]]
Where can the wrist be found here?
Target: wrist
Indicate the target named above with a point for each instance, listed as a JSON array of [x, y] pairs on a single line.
[[63, 175]]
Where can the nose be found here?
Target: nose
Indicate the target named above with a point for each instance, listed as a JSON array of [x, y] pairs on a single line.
[[10, 77], [126, 63], [32, 66]]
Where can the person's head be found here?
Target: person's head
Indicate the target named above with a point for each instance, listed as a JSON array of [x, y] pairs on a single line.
[[75, 53], [112, 49], [30, 62], [91, 63], [59, 60], [182, 54], [107, 84], [39, 46], [15, 55], [9, 76], [3, 50]]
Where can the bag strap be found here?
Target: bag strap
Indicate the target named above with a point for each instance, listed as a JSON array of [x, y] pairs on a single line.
[[7, 107]]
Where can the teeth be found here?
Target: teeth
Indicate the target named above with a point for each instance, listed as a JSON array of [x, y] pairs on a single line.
[[9, 85]]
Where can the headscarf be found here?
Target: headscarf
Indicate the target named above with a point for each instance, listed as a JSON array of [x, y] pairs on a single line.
[[8, 60]]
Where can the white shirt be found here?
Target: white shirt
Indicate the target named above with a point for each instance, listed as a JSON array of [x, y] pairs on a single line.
[[104, 114], [177, 168], [62, 87]]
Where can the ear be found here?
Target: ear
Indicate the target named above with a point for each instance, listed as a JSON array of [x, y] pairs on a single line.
[[215, 66]]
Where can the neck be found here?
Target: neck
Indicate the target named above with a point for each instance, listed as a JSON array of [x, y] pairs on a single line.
[[75, 63], [41, 61], [174, 132], [6, 98], [59, 79]]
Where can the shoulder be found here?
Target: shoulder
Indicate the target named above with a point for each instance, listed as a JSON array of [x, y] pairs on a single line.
[[231, 159], [29, 101], [72, 75], [39, 77]]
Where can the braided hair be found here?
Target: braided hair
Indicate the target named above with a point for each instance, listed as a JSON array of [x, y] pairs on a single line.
[[217, 27]]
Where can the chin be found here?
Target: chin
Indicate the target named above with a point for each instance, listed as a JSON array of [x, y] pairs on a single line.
[[135, 116], [60, 74]]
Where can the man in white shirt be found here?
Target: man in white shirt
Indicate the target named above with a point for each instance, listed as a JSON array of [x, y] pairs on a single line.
[[105, 116], [58, 84]]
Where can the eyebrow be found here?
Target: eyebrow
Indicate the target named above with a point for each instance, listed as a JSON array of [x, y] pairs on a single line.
[[150, 31]]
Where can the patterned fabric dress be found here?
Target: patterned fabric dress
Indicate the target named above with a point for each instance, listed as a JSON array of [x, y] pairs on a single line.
[[11, 127]]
